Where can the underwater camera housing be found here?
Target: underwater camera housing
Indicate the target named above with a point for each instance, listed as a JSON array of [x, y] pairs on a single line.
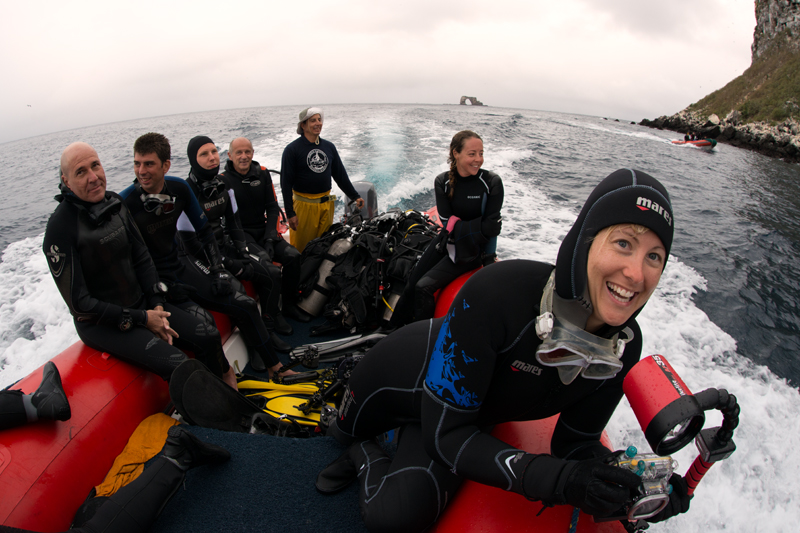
[[671, 416], [655, 471]]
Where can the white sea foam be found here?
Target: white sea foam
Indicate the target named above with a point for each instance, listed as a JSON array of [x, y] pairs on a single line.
[[617, 130], [754, 489], [29, 302]]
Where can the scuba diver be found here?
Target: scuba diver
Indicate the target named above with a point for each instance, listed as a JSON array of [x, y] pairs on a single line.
[[245, 262], [160, 205], [255, 197], [468, 200], [522, 340], [47, 402], [104, 272]]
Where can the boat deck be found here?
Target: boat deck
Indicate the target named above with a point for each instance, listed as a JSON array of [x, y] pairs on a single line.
[[268, 485]]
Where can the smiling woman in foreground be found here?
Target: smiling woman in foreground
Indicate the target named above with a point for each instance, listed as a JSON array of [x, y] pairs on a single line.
[[522, 340]]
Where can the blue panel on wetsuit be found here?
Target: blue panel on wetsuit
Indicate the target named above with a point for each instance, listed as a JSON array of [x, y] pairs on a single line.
[[444, 370]]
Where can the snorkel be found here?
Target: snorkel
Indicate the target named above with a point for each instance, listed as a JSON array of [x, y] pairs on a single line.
[[624, 197]]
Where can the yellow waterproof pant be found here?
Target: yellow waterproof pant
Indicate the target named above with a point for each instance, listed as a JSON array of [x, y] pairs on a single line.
[[313, 217]]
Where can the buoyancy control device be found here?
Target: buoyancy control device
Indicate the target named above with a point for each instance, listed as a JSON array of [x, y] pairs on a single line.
[[361, 267]]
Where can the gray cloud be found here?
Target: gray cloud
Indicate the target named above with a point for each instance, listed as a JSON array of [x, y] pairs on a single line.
[[92, 62]]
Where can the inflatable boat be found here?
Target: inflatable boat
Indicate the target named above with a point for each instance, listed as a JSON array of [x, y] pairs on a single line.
[[48, 468], [706, 144]]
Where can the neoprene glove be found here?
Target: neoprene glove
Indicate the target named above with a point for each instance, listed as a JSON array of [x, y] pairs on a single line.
[[180, 292], [597, 488], [269, 249], [247, 271], [238, 267], [678, 500], [491, 225], [272, 235], [221, 283]]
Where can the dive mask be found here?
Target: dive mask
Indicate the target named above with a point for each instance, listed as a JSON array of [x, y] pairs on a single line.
[[574, 350], [158, 203], [213, 187], [102, 211]]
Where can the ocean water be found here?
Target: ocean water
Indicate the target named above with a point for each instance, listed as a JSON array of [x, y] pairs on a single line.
[[725, 313]]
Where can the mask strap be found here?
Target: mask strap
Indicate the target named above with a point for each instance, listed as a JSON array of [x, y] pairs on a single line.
[[544, 322], [620, 345]]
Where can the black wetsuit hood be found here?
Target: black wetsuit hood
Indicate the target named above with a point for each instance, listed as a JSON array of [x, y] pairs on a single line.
[[200, 173], [626, 196]]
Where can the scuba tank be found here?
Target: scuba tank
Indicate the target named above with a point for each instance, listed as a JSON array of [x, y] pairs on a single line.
[[367, 191], [314, 302], [391, 304]]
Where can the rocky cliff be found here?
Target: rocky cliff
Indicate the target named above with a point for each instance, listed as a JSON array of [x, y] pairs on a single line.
[[762, 106], [777, 23]]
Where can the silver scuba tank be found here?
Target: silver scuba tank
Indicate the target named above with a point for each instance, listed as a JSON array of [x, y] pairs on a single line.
[[367, 191], [391, 305], [315, 301]]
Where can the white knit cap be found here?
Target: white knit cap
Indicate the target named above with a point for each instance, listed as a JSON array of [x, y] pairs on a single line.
[[307, 113]]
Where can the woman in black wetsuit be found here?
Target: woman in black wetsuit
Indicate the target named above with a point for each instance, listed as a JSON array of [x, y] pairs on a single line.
[[508, 349], [468, 199], [245, 261]]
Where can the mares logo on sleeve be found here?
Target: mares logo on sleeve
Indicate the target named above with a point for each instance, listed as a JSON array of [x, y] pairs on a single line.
[[445, 369], [56, 260]]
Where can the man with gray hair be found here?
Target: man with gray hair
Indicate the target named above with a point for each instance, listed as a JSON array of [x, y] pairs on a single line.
[[104, 272], [307, 167]]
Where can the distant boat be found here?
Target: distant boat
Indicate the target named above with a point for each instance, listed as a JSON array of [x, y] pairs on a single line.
[[706, 144]]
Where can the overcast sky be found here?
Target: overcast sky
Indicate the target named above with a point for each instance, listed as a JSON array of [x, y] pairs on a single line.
[[70, 64]]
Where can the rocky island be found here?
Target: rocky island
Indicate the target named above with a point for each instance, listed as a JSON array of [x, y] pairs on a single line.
[[761, 107], [472, 101]]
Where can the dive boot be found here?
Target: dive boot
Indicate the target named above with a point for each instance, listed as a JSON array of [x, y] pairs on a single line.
[[257, 362], [282, 326], [360, 457], [279, 344], [277, 323], [187, 451], [295, 313], [49, 399], [337, 475]]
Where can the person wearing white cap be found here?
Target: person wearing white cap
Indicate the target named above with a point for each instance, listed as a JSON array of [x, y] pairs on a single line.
[[307, 167]]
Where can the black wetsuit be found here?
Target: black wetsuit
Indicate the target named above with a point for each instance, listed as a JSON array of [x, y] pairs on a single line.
[[255, 195], [219, 205], [101, 266], [134, 507], [477, 201], [446, 382], [308, 167], [12, 409], [160, 234]]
